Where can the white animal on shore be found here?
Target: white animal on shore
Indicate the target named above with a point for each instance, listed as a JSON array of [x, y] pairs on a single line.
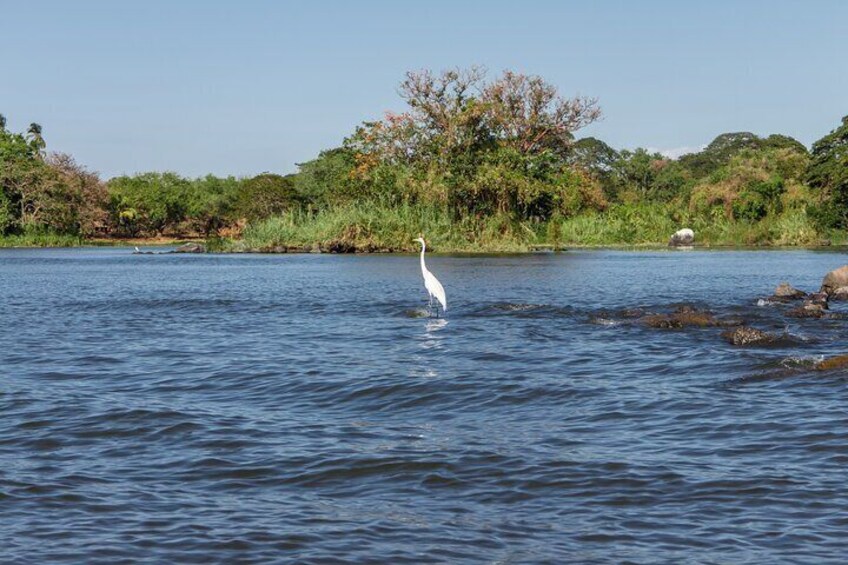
[[431, 283], [682, 238]]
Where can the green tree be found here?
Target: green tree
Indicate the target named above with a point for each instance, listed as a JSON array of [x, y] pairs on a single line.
[[728, 145], [459, 132], [266, 195], [331, 178], [828, 173], [22, 180], [35, 137], [719, 152], [752, 184], [211, 203], [637, 171], [596, 157], [778, 141], [148, 203], [75, 200]]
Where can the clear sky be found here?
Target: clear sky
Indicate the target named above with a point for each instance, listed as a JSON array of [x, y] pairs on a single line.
[[251, 86]]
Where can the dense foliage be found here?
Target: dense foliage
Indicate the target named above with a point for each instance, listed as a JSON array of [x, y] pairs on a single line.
[[828, 173], [470, 158]]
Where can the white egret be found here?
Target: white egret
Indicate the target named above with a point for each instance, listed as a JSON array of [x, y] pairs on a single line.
[[431, 283], [137, 250]]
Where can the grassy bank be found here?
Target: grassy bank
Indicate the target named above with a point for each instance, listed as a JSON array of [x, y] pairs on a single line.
[[40, 240], [382, 229], [375, 229], [58, 240], [366, 228]]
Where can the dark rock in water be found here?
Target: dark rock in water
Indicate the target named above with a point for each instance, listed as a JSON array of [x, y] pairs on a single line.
[[785, 291], [686, 316], [835, 279], [662, 321], [630, 313], [838, 362], [840, 293], [190, 248], [682, 238], [744, 335], [817, 299], [808, 310]]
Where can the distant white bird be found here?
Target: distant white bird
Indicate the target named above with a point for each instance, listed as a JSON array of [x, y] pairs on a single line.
[[431, 283], [137, 250]]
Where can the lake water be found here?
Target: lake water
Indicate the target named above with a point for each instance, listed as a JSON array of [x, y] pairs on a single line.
[[297, 408]]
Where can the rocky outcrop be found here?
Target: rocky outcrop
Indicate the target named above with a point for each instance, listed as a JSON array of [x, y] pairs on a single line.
[[190, 248], [744, 335], [835, 279], [786, 291], [682, 238]]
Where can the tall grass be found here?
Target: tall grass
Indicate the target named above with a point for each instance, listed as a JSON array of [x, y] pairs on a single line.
[[370, 227], [620, 225], [653, 224], [364, 227], [40, 240]]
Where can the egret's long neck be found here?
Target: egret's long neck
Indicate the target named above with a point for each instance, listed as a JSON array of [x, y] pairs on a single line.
[[423, 266]]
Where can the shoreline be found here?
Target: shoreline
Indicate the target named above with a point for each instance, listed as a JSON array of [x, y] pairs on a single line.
[[317, 248]]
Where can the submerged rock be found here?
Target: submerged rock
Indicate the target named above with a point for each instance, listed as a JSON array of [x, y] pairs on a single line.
[[682, 238], [786, 291], [631, 313], [190, 248], [835, 279], [745, 335], [688, 316], [808, 310], [838, 362]]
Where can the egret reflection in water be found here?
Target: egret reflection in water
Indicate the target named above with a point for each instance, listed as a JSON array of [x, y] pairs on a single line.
[[432, 339]]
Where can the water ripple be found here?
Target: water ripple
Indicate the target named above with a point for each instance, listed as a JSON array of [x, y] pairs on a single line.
[[309, 409]]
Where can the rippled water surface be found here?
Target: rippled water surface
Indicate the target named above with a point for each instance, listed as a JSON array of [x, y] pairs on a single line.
[[299, 408]]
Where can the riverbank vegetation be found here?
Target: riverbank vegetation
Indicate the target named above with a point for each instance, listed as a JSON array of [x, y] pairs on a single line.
[[475, 163]]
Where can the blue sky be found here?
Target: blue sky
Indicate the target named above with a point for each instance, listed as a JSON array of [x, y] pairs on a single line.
[[251, 86]]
